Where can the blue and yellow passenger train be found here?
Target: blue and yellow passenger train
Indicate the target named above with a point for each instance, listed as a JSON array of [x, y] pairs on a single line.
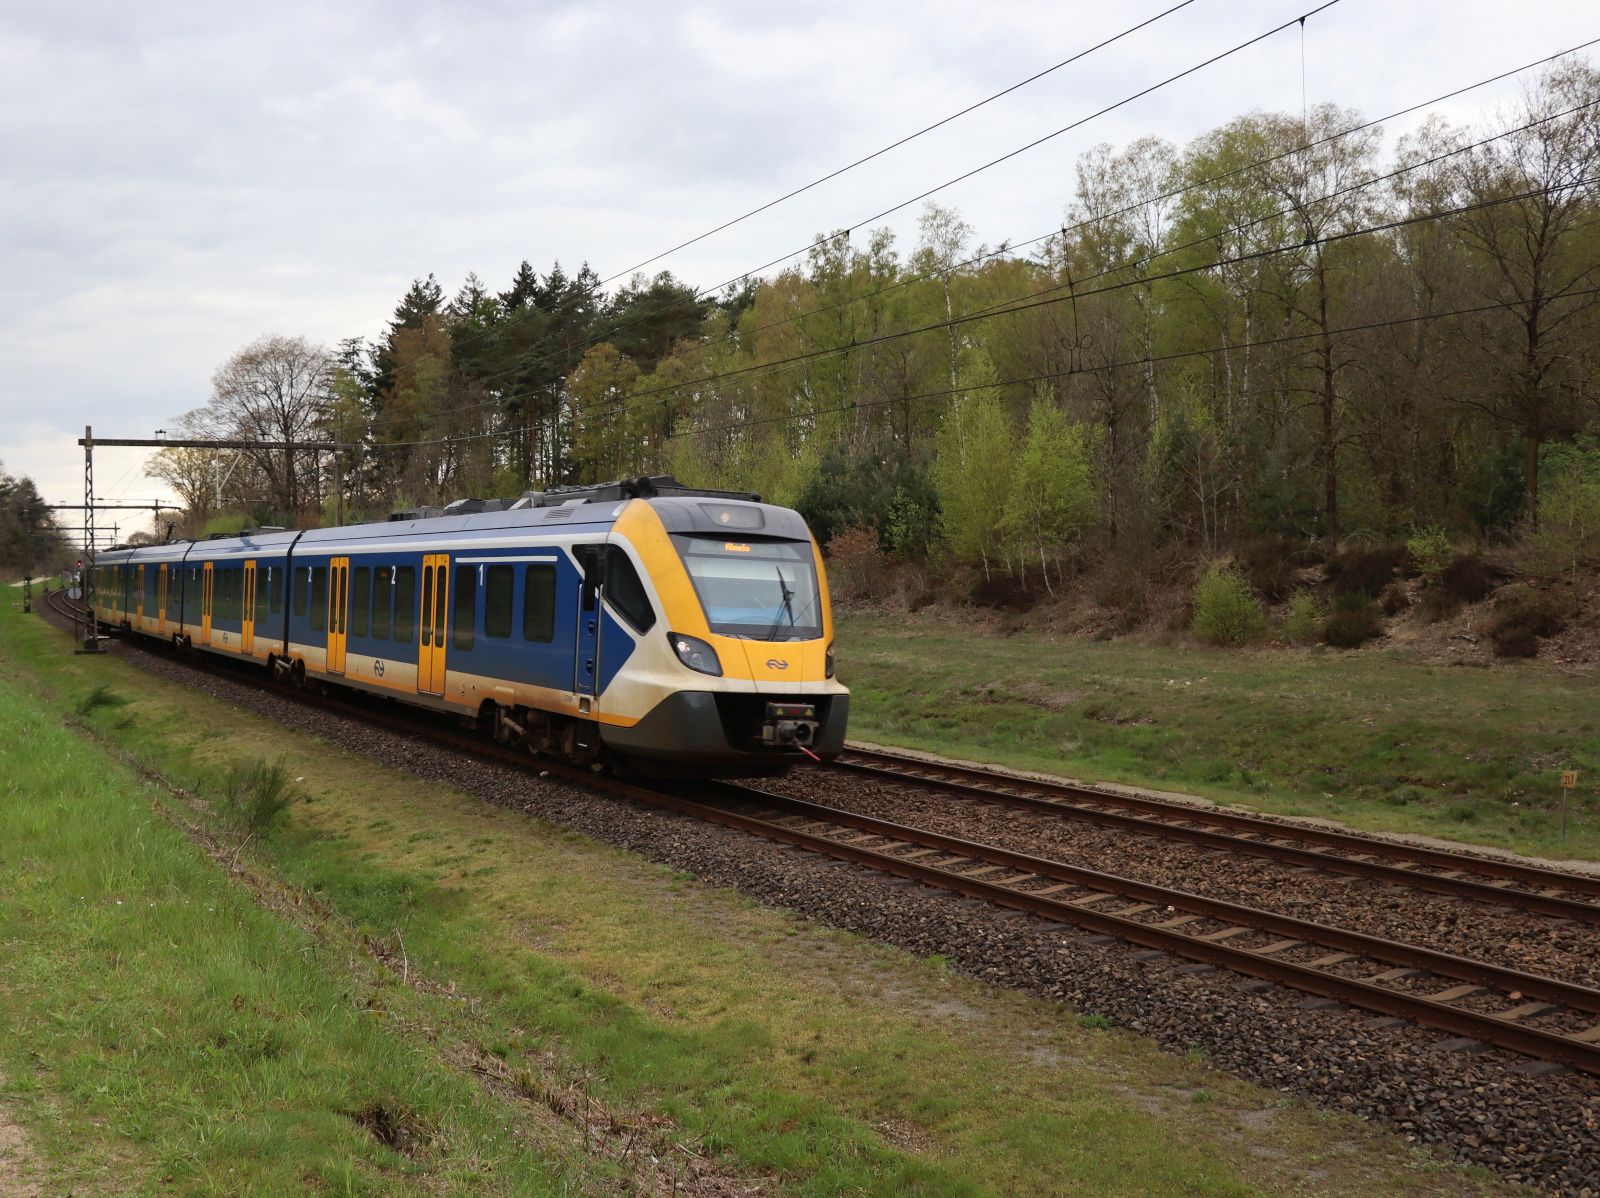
[[642, 621]]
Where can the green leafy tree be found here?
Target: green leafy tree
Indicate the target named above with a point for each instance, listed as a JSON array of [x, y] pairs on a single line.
[[975, 471], [1053, 498]]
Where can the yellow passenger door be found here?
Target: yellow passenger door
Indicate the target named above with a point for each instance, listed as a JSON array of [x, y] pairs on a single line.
[[141, 597], [247, 614], [205, 606], [161, 602], [435, 602], [338, 607]]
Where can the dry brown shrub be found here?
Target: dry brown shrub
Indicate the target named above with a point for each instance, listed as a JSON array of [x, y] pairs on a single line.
[[857, 567]]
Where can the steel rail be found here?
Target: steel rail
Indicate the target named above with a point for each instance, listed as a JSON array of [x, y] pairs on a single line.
[[1179, 821], [1580, 1050]]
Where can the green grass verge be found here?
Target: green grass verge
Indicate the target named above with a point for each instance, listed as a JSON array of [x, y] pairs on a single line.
[[1372, 739], [163, 1032], [807, 1058]]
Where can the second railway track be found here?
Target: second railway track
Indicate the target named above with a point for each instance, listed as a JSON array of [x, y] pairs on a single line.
[[1490, 880]]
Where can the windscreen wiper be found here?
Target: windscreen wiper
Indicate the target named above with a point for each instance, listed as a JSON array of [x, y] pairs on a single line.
[[783, 586]]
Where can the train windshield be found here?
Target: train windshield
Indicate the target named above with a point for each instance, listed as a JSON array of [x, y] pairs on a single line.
[[762, 590]]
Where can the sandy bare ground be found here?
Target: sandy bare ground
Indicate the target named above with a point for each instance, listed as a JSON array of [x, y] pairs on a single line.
[[17, 1162]]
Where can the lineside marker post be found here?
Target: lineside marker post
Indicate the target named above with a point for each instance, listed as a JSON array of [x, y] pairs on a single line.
[[1569, 783]]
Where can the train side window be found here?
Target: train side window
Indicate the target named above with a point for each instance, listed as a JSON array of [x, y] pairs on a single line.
[[319, 597], [263, 574], [498, 586], [625, 592], [360, 599], [539, 604], [405, 603], [382, 597], [275, 587], [302, 588], [466, 604]]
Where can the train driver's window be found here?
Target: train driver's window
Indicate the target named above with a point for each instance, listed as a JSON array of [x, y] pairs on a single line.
[[405, 603], [498, 584], [539, 604], [464, 613], [625, 592]]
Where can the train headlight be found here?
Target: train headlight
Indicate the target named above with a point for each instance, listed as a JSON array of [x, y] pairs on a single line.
[[696, 654], [827, 662]]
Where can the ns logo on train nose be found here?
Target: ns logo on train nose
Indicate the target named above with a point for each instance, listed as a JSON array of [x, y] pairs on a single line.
[[774, 664]]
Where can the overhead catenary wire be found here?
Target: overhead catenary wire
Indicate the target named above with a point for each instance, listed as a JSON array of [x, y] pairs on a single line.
[[1037, 75], [1075, 289], [1255, 255], [895, 145], [1008, 247], [1126, 364], [704, 294]]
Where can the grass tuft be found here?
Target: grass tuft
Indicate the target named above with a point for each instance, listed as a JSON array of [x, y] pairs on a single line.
[[100, 696], [255, 795]]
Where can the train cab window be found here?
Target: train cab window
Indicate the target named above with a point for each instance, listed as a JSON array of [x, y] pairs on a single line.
[[319, 597], [498, 584], [382, 597], [360, 599], [464, 613], [539, 604], [625, 592], [405, 603], [275, 589], [302, 588]]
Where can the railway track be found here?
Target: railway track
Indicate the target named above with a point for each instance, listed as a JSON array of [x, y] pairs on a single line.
[[58, 602], [1477, 1002], [1440, 871]]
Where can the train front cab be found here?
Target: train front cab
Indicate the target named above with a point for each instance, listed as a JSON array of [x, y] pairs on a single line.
[[741, 677]]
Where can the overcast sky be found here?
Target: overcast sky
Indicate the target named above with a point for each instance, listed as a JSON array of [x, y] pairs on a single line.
[[179, 179]]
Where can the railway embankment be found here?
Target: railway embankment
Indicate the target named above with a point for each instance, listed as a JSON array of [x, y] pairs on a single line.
[[603, 1008], [1382, 740]]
